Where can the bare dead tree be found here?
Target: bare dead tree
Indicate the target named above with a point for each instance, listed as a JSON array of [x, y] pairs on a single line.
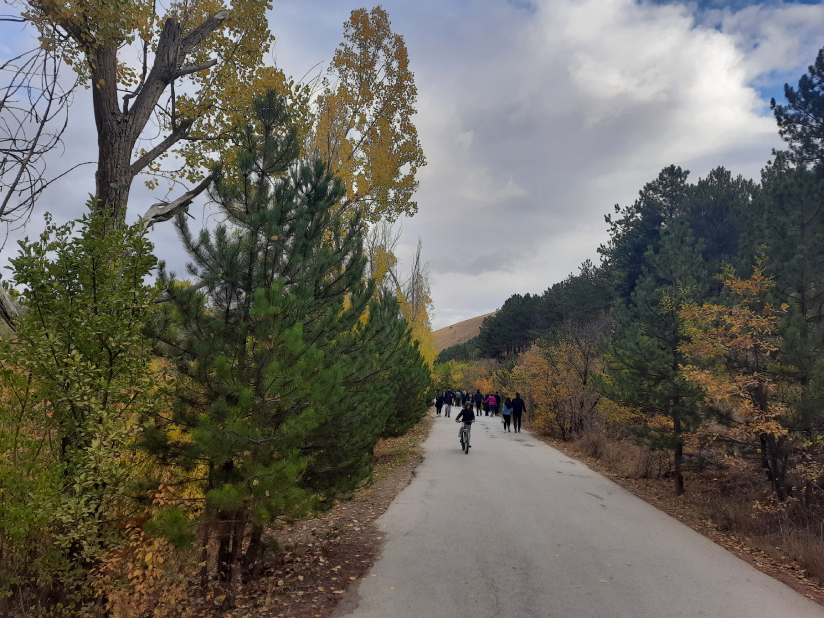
[[383, 238], [34, 113], [416, 287]]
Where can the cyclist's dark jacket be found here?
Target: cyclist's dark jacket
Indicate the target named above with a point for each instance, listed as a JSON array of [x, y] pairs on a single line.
[[467, 415], [518, 405]]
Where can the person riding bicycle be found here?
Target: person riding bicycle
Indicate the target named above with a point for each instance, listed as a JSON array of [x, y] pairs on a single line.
[[468, 417]]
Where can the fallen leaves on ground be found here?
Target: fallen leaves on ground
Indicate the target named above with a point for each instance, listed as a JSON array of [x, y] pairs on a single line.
[[323, 556]]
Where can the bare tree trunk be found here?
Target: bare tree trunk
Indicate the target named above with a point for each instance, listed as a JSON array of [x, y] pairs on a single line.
[[114, 139], [119, 129], [255, 551], [204, 556], [224, 555], [775, 465], [679, 455], [238, 532]]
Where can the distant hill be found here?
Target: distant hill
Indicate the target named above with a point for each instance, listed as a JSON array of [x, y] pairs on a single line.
[[458, 333]]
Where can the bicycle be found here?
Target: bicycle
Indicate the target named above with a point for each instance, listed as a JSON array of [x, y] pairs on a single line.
[[465, 437]]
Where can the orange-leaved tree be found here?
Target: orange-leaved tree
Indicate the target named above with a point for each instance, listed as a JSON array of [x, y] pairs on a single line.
[[732, 350]]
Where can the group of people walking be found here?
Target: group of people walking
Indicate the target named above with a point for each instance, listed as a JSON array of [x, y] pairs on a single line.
[[511, 409]]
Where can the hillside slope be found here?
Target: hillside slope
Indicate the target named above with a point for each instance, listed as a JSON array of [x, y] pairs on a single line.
[[458, 333]]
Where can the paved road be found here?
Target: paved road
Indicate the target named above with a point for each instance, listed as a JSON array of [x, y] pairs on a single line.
[[516, 529]]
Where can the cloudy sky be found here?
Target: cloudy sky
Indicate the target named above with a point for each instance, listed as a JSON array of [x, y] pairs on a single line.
[[536, 117]]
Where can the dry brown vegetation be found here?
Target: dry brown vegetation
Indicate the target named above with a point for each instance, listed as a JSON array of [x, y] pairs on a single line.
[[458, 333]]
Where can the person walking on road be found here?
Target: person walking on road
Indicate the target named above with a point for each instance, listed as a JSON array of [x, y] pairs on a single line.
[[506, 411], [499, 402], [438, 404], [518, 408], [447, 402], [492, 403], [479, 401]]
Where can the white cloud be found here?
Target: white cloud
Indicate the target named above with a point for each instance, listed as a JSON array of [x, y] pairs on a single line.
[[579, 106], [537, 117]]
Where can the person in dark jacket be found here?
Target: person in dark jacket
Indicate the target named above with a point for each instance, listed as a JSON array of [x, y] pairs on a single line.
[[467, 416], [448, 398], [438, 404], [518, 408], [479, 401]]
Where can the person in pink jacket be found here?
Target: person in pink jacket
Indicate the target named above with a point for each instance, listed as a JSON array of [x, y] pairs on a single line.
[[492, 403]]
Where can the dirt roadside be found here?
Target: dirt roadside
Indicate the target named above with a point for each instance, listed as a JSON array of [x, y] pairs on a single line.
[[688, 510], [322, 556]]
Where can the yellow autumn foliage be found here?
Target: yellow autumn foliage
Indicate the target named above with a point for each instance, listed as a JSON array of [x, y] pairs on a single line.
[[364, 125]]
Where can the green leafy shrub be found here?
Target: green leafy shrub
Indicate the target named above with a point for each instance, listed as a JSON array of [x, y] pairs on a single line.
[[75, 377]]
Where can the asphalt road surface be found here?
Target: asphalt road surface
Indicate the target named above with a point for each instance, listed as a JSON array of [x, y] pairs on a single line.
[[516, 529]]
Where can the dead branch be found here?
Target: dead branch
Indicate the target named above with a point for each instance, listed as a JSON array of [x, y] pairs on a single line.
[[33, 118], [163, 211]]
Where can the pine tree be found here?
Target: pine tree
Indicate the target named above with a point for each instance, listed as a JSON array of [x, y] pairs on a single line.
[[801, 121], [281, 350], [716, 208], [638, 227], [792, 227], [644, 356]]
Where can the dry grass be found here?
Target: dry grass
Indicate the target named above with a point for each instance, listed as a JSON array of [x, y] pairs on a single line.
[[458, 333]]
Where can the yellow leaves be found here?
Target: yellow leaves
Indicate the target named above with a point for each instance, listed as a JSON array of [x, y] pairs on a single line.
[[382, 262], [732, 351], [363, 127]]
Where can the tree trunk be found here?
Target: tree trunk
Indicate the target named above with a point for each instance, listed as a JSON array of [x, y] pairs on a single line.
[[224, 554], [775, 465], [204, 557], [238, 532], [679, 455], [113, 178], [119, 129], [255, 551]]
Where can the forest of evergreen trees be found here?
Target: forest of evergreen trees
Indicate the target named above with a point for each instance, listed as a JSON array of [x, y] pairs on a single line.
[[730, 218]]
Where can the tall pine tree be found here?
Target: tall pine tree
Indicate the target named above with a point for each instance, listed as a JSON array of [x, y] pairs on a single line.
[[644, 356], [282, 352]]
